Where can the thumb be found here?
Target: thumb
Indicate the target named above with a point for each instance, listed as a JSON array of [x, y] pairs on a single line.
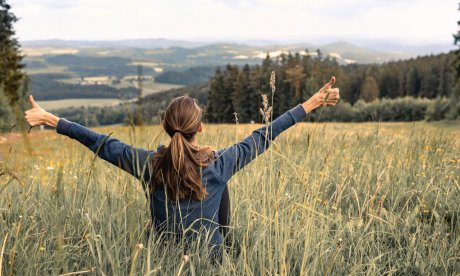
[[32, 102], [330, 83]]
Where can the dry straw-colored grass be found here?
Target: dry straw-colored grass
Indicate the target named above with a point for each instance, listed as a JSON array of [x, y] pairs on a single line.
[[327, 199]]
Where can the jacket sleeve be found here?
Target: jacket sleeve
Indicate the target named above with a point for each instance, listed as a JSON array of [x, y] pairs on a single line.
[[132, 160], [232, 159]]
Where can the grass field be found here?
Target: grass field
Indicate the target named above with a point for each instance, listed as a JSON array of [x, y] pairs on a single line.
[[325, 199]]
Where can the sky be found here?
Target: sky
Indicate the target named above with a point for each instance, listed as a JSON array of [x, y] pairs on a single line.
[[409, 22]]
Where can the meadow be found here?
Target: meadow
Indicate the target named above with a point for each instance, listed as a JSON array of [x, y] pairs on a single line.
[[333, 198]]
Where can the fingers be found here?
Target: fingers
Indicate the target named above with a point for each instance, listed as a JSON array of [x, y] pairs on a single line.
[[32, 118], [30, 121], [32, 101], [33, 121], [331, 97], [330, 103], [333, 93]]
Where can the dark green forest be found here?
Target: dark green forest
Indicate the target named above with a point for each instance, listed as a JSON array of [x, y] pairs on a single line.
[[190, 76], [239, 89], [409, 90]]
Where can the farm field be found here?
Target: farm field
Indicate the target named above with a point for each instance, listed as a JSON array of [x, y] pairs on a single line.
[[66, 103], [150, 88], [331, 198]]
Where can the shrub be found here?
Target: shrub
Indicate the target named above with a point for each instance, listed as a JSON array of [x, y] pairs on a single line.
[[438, 109]]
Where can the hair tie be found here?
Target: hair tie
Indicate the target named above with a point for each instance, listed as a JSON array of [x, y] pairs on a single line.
[[187, 136]]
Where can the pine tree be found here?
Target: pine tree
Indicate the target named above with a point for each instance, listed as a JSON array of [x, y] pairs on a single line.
[[245, 98], [12, 86], [256, 92], [11, 75], [6, 118], [227, 94], [454, 111], [369, 89], [213, 104]]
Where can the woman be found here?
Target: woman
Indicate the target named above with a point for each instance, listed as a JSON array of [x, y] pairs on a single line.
[[186, 183]]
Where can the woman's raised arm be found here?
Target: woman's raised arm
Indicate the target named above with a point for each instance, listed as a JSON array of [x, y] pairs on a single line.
[[230, 160], [130, 159]]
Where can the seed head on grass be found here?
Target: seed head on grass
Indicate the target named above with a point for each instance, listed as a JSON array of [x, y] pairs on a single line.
[[236, 117], [266, 110], [273, 82]]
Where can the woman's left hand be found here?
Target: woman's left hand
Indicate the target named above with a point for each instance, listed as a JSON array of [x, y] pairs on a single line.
[[326, 96]]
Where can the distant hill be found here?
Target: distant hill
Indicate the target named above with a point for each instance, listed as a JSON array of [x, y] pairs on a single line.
[[188, 53], [163, 43], [112, 66], [126, 43]]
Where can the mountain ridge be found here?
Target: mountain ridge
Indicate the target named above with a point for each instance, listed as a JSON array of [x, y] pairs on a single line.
[[164, 43]]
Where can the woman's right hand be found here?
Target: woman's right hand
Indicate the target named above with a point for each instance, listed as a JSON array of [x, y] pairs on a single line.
[[326, 96], [37, 116]]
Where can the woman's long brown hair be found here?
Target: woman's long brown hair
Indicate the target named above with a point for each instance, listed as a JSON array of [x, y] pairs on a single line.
[[178, 167]]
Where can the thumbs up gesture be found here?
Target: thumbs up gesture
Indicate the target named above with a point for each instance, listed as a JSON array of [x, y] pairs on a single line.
[[37, 116], [326, 96]]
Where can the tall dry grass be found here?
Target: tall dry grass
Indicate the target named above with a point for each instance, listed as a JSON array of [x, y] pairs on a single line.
[[327, 199]]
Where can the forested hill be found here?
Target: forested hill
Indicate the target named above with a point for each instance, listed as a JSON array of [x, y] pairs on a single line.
[[408, 90], [238, 89]]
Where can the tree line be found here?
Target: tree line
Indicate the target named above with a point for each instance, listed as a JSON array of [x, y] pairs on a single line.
[[153, 106], [238, 90]]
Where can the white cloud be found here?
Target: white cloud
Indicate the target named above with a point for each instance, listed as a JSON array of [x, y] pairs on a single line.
[[404, 20]]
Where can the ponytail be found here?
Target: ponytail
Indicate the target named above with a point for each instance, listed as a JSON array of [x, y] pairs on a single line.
[[177, 148], [178, 167]]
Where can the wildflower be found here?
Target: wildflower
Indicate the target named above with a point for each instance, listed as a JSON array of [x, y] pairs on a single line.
[[339, 242], [139, 246]]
